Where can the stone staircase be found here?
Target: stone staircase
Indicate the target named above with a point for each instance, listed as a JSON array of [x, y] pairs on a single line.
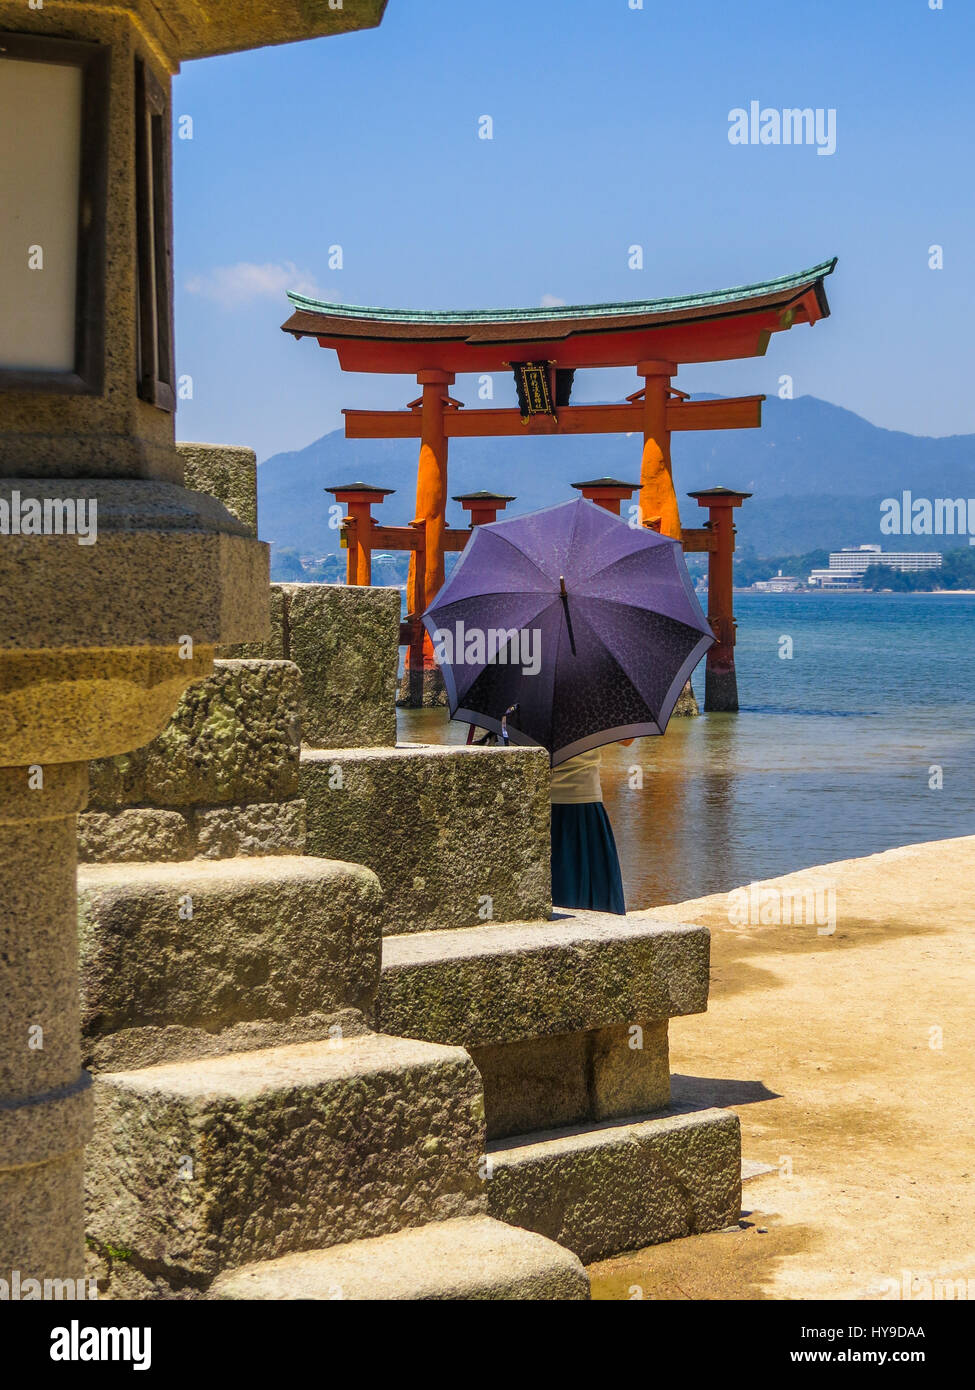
[[567, 1021], [566, 1015], [255, 1136], [253, 1156]]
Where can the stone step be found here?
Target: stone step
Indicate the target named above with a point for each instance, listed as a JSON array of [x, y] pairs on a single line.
[[197, 1167], [233, 739], [186, 959], [617, 1186], [566, 1019], [460, 1259], [505, 982], [462, 834], [345, 641]]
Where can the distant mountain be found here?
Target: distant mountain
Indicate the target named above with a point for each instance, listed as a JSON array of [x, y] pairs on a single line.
[[818, 474]]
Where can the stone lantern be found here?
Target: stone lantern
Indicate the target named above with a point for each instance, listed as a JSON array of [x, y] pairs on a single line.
[[117, 583]]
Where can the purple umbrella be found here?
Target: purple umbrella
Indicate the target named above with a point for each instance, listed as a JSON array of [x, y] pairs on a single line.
[[589, 626]]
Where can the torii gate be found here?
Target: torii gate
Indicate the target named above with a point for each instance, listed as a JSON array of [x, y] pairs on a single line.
[[545, 347]]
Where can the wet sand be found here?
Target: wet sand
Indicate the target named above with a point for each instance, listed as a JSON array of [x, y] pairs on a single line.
[[850, 1060]]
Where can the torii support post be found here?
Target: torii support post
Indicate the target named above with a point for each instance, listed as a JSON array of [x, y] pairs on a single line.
[[657, 495], [607, 493], [483, 506], [426, 686], [721, 681], [358, 527]]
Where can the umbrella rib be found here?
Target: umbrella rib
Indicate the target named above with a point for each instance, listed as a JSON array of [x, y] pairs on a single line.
[[446, 610], [508, 541], [618, 560], [496, 593], [638, 608], [697, 634]]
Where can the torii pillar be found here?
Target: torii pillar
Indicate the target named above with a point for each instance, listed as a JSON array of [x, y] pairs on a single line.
[[657, 495], [483, 506], [431, 513], [720, 680], [608, 493], [357, 531], [658, 499]]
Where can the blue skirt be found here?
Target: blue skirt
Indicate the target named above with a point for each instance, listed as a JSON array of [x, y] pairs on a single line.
[[585, 865]]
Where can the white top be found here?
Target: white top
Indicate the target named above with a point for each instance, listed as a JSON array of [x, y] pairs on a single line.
[[577, 779]]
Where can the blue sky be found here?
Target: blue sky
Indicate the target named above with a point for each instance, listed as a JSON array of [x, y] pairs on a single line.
[[610, 129]]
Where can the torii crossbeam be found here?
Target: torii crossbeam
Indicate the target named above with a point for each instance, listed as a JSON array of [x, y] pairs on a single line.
[[545, 347]]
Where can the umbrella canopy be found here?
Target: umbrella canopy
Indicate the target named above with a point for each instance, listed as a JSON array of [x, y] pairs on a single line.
[[589, 625]]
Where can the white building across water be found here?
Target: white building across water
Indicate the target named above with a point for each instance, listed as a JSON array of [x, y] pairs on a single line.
[[847, 567]]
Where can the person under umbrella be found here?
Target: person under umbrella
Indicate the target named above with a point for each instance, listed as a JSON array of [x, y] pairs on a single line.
[[569, 629], [585, 863]]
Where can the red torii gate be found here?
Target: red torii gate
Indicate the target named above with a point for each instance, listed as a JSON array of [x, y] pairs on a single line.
[[545, 347]]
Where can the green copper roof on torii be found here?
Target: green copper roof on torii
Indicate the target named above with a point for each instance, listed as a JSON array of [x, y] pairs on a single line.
[[711, 299]]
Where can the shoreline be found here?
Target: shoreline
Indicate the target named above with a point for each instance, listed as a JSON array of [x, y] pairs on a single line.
[[848, 593]]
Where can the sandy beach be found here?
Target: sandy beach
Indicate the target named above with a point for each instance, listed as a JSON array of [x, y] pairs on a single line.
[[848, 1057]]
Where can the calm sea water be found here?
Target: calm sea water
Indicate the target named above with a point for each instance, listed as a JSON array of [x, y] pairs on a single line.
[[829, 758]]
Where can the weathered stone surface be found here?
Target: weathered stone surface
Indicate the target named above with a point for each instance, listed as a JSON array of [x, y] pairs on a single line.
[[620, 1187], [503, 982], [274, 646], [167, 562], [212, 28], [134, 835], [147, 834], [547, 1082], [629, 1070], [41, 1164], [119, 781], [39, 1034], [224, 471], [197, 1167], [45, 1099], [276, 827], [153, 1046], [454, 834], [42, 1219], [65, 706], [566, 1019], [476, 1259], [539, 1083], [209, 945], [232, 738], [686, 705], [90, 635], [345, 641]]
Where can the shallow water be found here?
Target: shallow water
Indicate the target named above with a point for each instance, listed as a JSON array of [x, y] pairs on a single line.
[[830, 757]]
